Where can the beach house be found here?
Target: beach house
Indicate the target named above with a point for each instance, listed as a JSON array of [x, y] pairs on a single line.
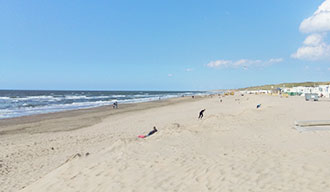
[[321, 90]]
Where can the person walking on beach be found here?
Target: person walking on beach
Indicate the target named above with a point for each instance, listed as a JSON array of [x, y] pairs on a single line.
[[115, 105], [201, 115]]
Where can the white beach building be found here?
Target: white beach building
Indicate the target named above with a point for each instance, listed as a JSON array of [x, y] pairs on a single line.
[[256, 92], [321, 90], [324, 90]]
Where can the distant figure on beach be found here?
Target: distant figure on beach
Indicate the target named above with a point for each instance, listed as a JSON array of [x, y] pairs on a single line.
[[115, 105], [258, 106], [193, 97], [201, 115], [150, 133]]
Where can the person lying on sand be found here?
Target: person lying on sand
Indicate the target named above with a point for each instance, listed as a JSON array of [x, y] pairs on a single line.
[[150, 133], [201, 115]]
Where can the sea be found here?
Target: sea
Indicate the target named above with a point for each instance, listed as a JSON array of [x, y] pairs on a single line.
[[16, 103]]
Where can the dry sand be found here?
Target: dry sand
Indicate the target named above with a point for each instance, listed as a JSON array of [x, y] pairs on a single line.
[[236, 147]]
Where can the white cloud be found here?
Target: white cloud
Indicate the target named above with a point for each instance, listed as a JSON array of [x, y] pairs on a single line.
[[314, 47], [170, 75], [274, 60], [219, 63], [319, 21], [314, 39], [189, 69], [244, 63]]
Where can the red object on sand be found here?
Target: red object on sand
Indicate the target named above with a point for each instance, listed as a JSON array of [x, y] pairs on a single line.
[[141, 136]]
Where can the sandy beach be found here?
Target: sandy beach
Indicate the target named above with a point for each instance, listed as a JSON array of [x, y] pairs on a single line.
[[235, 147]]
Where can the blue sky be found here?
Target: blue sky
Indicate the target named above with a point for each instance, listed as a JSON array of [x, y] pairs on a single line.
[[162, 45]]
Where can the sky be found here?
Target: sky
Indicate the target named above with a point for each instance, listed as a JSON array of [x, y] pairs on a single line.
[[162, 45]]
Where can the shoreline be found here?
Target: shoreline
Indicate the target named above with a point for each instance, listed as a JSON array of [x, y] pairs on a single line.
[[235, 147], [97, 113], [15, 103], [33, 146]]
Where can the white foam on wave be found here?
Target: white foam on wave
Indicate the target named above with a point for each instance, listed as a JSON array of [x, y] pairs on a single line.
[[118, 96], [31, 98], [26, 109], [100, 97], [5, 98], [23, 111], [139, 95], [75, 97]]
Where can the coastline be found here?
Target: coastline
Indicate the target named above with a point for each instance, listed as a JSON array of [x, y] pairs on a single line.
[[32, 146], [18, 103], [235, 147], [23, 124]]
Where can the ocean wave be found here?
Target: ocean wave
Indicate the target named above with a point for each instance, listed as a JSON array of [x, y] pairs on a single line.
[[116, 96], [5, 98], [23, 105], [142, 95], [73, 97], [31, 110], [31, 98], [101, 97], [77, 97]]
